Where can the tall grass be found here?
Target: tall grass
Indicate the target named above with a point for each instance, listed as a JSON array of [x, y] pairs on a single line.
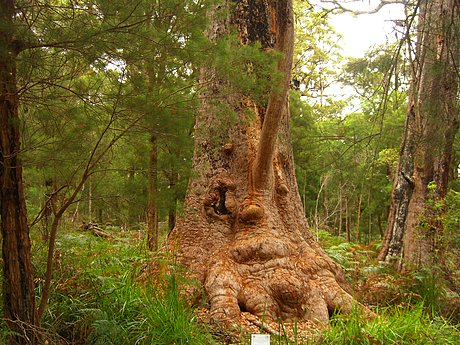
[[98, 297], [395, 325]]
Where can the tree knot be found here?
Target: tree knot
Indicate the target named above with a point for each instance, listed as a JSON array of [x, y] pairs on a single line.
[[251, 211]]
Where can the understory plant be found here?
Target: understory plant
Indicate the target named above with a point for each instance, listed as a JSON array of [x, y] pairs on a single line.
[[394, 325], [109, 292]]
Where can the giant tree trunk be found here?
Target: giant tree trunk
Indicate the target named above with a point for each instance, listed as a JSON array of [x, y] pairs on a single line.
[[426, 151], [244, 234], [18, 285]]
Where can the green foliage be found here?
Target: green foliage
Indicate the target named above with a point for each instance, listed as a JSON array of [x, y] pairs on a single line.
[[358, 261], [345, 161], [431, 286], [451, 217], [94, 69], [393, 326], [101, 297], [316, 54], [248, 69], [111, 292]]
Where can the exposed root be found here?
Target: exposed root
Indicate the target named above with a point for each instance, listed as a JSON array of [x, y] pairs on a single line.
[[274, 288]]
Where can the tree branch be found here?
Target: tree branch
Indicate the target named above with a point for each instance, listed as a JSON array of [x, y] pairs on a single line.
[[278, 99], [339, 7]]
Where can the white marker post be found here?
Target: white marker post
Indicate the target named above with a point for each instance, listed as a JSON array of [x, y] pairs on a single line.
[[260, 339]]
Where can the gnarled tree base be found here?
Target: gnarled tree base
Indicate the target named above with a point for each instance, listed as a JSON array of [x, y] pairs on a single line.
[[244, 233], [257, 257], [275, 279]]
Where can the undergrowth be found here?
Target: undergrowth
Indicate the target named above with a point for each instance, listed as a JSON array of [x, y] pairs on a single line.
[[114, 291], [395, 325]]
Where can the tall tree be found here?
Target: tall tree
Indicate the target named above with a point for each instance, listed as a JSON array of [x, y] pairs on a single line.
[[45, 61], [432, 121], [244, 234], [18, 284]]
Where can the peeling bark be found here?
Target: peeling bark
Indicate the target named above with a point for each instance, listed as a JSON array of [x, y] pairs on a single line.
[[244, 234], [426, 151]]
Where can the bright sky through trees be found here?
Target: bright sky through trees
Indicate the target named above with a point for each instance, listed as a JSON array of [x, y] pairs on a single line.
[[360, 32]]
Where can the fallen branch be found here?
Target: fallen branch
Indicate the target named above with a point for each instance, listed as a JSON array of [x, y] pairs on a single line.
[[263, 326]]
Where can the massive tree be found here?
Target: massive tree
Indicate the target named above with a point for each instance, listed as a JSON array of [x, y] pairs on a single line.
[[243, 233], [425, 156]]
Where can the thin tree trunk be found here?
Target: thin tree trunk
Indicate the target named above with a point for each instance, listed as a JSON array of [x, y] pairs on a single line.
[[323, 183], [379, 222], [369, 225], [340, 211], [358, 220], [18, 283], [152, 208], [173, 178], [347, 221], [90, 199], [325, 209], [75, 213]]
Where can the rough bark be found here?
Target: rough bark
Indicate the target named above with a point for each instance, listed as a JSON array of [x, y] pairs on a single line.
[[431, 124], [18, 284], [244, 234]]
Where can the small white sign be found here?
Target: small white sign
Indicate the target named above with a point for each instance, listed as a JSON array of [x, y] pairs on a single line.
[[260, 339]]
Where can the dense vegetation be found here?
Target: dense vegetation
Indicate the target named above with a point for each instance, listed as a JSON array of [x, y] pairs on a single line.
[[108, 94], [115, 291]]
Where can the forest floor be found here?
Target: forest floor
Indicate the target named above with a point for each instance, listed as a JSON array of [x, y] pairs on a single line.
[[239, 331], [112, 290]]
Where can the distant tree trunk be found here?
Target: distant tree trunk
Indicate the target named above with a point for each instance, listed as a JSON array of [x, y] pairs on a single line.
[[90, 199], [173, 178], [152, 208], [340, 211], [18, 284], [379, 223], [99, 215], [244, 232], [369, 224], [75, 213], [426, 151], [347, 221], [325, 208], [358, 220]]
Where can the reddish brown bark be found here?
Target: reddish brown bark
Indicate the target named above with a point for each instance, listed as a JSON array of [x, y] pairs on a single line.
[[18, 284], [244, 234]]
